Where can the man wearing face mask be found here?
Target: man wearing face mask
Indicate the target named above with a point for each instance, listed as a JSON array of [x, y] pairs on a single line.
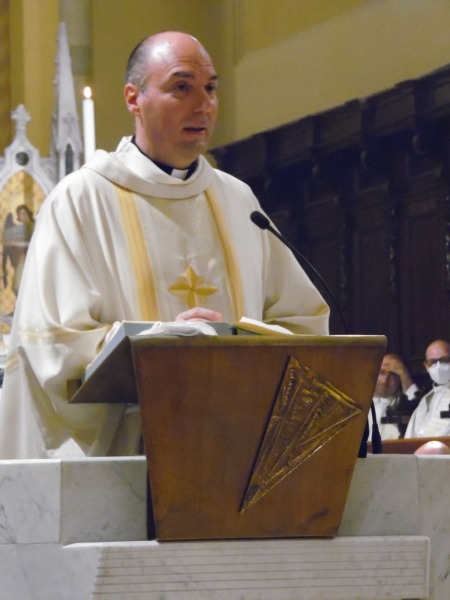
[[426, 420]]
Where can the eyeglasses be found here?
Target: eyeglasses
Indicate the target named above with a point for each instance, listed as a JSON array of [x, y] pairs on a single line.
[[444, 360]]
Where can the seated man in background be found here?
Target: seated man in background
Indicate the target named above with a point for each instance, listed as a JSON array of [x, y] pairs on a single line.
[[426, 420], [393, 398]]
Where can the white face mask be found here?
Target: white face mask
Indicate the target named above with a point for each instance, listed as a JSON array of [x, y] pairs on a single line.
[[439, 373]]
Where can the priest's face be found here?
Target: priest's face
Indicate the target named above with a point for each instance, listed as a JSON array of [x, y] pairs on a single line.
[[175, 107]]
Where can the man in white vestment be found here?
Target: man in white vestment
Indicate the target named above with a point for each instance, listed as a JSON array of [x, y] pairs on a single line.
[[426, 420], [150, 232]]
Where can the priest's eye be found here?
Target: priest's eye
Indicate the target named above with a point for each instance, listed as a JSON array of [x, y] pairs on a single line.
[[211, 88], [182, 86]]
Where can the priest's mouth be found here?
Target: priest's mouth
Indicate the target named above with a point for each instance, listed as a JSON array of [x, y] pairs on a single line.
[[195, 129]]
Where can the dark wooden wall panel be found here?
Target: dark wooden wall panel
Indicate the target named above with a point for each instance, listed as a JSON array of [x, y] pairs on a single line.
[[424, 287], [363, 191], [322, 238], [372, 283]]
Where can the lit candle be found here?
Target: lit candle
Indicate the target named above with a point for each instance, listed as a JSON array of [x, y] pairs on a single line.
[[88, 124]]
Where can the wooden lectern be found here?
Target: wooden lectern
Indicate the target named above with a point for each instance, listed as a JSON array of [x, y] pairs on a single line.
[[245, 436]]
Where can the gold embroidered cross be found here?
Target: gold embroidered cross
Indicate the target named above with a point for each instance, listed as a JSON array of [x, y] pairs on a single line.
[[191, 288]]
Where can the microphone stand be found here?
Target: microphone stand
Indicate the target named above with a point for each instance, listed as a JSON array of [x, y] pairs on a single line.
[[263, 222]]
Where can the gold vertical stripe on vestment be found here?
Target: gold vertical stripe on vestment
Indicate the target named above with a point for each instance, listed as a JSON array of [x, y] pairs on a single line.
[[233, 273], [139, 256]]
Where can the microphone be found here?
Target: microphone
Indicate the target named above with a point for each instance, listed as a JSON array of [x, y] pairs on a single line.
[[263, 222]]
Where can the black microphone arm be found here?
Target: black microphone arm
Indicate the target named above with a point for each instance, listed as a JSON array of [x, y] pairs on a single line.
[[263, 222]]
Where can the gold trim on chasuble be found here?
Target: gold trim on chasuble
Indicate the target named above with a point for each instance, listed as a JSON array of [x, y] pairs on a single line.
[[189, 283], [233, 273], [12, 361], [192, 288], [139, 257]]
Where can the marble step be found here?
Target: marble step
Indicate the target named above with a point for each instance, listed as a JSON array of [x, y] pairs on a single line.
[[347, 568]]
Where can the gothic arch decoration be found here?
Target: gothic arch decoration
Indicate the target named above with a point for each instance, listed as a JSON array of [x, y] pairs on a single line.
[[25, 181], [20, 200], [26, 178]]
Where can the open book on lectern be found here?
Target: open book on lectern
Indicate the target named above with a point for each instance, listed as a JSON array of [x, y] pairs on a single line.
[[124, 329]]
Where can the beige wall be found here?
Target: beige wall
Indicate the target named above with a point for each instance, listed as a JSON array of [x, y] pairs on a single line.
[[5, 75], [33, 32], [278, 60], [368, 48]]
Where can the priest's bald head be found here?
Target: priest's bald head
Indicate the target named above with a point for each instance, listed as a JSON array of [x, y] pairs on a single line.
[[171, 91]]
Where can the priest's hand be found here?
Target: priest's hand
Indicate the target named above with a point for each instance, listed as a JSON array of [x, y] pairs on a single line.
[[199, 314]]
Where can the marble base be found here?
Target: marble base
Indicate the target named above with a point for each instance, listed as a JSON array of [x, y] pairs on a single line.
[[76, 529], [69, 501], [339, 569]]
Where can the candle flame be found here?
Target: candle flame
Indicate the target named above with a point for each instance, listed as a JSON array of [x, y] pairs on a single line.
[[87, 92]]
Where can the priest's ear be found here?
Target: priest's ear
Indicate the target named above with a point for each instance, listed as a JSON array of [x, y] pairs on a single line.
[[131, 93]]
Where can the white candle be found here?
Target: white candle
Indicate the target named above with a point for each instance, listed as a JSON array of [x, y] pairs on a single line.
[[88, 124]]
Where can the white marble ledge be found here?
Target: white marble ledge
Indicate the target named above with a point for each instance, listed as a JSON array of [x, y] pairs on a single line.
[[49, 508], [73, 500], [370, 568], [30, 506]]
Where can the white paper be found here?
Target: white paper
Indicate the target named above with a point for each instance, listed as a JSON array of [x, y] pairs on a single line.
[[179, 328]]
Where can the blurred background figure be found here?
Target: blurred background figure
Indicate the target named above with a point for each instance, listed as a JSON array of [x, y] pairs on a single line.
[[394, 398], [16, 239], [430, 419]]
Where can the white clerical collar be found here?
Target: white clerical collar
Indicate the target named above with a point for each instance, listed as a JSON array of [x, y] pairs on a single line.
[[179, 173]]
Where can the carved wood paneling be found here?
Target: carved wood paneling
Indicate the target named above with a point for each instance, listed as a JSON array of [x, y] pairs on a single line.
[[363, 190]]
